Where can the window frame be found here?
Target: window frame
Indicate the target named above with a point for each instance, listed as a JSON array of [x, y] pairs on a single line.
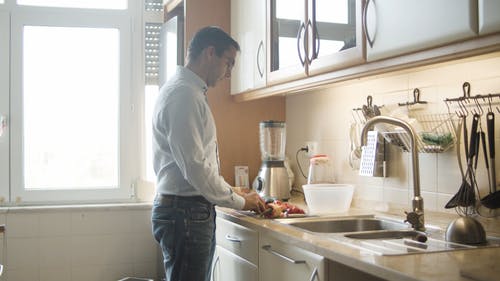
[[4, 102], [127, 21]]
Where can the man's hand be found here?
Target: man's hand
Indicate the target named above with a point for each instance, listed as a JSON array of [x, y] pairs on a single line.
[[253, 202]]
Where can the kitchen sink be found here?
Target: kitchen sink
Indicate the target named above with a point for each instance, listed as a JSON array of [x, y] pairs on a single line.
[[381, 236], [348, 225]]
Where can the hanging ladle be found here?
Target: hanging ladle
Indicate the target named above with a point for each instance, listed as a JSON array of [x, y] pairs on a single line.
[[492, 200]]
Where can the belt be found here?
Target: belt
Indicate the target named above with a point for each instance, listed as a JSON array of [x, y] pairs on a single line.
[[170, 197]]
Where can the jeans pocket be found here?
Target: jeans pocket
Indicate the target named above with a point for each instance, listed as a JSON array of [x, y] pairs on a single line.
[[199, 213], [164, 234]]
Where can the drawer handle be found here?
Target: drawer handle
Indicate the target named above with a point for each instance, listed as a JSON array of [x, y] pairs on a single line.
[[314, 274], [216, 264], [270, 250], [233, 238]]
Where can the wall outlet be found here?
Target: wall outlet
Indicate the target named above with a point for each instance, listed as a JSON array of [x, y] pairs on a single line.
[[312, 148]]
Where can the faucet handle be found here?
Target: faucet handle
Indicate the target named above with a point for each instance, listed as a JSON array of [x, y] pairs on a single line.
[[416, 219]]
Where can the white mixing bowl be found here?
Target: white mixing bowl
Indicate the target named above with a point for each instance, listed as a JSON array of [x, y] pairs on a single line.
[[328, 198]]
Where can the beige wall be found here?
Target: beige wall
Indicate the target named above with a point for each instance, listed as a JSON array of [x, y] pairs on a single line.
[[325, 116], [237, 123], [78, 243]]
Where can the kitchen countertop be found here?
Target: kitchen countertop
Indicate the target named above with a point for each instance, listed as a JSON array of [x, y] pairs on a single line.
[[479, 263]]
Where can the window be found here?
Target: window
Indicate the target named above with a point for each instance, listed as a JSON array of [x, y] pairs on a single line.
[[75, 145], [92, 4], [151, 94], [73, 130], [4, 105]]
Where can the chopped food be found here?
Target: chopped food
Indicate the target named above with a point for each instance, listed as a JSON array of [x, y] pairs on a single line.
[[278, 209]]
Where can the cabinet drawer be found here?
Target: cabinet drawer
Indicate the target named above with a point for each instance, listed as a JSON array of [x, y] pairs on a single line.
[[282, 261], [238, 239], [230, 267]]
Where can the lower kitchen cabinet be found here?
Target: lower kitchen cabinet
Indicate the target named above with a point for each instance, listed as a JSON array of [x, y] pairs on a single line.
[[341, 272], [244, 254], [236, 254], [282, 261], [230, 267]]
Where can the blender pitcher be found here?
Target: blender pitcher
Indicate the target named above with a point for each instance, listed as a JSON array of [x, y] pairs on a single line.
[[272, 181], [272, 140]]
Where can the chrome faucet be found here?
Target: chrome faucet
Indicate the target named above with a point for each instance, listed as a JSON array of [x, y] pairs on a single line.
[[416, 217]]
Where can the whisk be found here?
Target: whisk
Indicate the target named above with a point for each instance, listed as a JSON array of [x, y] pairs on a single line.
[[464, 200]]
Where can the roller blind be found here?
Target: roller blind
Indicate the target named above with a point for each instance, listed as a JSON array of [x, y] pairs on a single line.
[[153, 10], [152, 52]]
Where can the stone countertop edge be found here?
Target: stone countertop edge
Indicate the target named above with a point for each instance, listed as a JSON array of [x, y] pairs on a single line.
[[438, 266]]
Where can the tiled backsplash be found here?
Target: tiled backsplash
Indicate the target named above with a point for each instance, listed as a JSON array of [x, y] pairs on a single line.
[[78, 244], [325, 116]]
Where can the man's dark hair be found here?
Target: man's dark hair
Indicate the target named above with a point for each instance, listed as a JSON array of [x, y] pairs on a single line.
[[210, 36]]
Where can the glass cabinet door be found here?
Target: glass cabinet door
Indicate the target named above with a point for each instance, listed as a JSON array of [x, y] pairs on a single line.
[[335, 22], [287, 33], [313, 36], [335, 34]]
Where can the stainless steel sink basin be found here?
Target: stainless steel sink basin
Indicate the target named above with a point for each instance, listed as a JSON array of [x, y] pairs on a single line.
[[349, 225], [380, 236]]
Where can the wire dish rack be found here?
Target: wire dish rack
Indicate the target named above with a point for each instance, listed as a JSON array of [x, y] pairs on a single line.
[[438, 134]]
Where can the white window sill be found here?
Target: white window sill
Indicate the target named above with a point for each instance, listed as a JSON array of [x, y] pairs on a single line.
[[76, 207]]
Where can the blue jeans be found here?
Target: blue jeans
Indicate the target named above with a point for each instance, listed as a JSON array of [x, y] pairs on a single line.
[[185, 229]]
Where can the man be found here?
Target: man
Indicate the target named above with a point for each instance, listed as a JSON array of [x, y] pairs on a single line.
[[186, 160]]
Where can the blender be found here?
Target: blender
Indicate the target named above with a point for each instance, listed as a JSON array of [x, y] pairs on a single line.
[[272, 180]]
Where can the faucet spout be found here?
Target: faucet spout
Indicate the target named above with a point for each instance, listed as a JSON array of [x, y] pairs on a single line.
[[416, 217]]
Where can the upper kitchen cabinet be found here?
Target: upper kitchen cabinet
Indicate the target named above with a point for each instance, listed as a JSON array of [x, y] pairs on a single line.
[[338, 40], [308, 37], [248, 27], [489, 19], [395, 27]]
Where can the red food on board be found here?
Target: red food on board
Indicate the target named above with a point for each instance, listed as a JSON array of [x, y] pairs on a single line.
[[278, 209]]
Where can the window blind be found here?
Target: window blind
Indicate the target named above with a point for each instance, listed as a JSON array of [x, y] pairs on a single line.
[[153, 20], [152, 52]]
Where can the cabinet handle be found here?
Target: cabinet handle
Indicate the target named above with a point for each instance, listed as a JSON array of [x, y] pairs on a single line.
[[316, 40], [271, 251], [310, 26], [217, 261], [233, 238], [3, 124], [259, 68], [314, 274], [370, 40], [299, 36]]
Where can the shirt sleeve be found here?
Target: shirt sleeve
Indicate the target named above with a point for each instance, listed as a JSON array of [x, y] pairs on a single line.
[[186, 123]]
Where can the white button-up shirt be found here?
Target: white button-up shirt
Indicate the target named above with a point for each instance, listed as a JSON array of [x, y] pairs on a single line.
[[185, 143]]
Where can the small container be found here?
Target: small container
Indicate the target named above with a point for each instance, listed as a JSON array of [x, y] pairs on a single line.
[[320, 170], [328, 198]]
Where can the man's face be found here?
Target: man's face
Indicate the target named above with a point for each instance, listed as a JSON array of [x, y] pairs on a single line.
[[221, 66]]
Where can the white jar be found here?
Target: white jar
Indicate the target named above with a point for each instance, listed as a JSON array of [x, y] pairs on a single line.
[[320, 170]]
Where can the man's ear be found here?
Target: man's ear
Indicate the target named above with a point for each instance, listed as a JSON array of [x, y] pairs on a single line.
[[210, 51]]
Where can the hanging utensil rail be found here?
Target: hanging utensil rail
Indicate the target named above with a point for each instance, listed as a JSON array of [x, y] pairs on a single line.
[[475, 102]]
